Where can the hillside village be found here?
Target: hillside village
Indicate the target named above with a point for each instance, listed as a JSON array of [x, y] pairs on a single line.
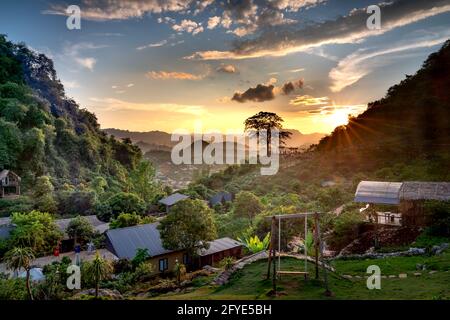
[[87, 198]]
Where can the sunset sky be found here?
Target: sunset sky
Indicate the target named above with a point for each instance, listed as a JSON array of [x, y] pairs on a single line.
[[163, 65]]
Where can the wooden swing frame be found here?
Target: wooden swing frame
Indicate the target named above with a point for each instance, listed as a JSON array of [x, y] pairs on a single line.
[[318, 248]]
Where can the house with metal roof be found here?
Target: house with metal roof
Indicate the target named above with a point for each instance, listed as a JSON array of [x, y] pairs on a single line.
[[218, 250], [172, 200], [125, 242], [407, 196]]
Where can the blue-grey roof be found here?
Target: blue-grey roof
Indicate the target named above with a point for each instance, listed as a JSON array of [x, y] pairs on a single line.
[[5, 230], [126, 241], [378, 192], [220, 197], [172, 199], [220, 245]]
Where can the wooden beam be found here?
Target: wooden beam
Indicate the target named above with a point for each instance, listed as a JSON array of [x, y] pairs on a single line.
[[292, 272], [292, 216]]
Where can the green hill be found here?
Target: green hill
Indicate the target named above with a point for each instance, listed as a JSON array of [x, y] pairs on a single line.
[[42, 132]]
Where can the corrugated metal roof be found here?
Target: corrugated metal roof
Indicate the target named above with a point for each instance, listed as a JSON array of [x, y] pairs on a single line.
[[4, 221], [220, 245], [5, 231], [172, 199], [415, 190], [62, 224], [220, 197], [126, 241], [98, 225], [378, 192]]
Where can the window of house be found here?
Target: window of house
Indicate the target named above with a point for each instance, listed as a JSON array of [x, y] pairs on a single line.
[[163, 264], [185, 259]]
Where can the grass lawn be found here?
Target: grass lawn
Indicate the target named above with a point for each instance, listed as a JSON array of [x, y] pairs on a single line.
[[249, 283]]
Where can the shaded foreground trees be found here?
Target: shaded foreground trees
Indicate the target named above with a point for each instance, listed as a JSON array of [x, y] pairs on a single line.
[[21, 258]]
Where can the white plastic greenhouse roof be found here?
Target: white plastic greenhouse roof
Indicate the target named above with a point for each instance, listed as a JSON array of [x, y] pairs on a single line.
[[378, 192]]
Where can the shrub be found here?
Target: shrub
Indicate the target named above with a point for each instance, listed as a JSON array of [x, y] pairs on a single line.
[[140, 257], [227, 263], [345, 229], [130, 219], [254, 244]]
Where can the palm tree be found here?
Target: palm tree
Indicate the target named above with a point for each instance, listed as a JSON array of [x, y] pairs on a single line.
[[18, 258], [97, 270], [267, 121]]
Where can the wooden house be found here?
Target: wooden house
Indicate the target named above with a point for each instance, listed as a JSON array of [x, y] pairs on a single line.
[[9, 184], [125, 242]]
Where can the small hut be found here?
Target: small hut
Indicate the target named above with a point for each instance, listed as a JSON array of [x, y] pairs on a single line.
[[9, 184]]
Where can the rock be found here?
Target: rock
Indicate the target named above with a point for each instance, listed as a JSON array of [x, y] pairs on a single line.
[[383, 277], [103, 293], [347, 276], [432, 272], [403, 275], [392, 276], [417, 274]]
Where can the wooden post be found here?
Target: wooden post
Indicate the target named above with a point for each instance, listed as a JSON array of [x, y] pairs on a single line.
[[274, 276], [271, 246], [316, 243], [328, 292]]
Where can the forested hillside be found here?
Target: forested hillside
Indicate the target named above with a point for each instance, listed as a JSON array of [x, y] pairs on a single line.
[[411, 122], [44, 132], [53, 144]]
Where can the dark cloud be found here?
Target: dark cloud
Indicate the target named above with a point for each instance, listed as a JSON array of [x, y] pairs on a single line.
[[259, 94], [290, 86]]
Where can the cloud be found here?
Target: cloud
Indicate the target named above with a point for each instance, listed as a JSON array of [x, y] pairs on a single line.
[[345, 29], [188, 26], [295, 5], [361, 63], [112, 104], [167, 20], [167, 75], [260, 93], [267, 91], [71, 84], [213, 22], [152, 45], [130, 85], [88, 63], [103, 10], [74, 53], [290, 86], [307, 100], [227, 68]]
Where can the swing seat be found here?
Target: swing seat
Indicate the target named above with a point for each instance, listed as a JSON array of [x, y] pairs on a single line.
[[292, 272]]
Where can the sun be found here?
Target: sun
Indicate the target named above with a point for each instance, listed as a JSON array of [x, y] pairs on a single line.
[[338, 117]]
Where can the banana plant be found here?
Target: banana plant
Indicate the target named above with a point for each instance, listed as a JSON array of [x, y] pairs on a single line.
[[254, 244]]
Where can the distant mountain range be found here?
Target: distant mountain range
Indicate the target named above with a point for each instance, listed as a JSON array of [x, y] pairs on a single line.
[[159, 140]]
